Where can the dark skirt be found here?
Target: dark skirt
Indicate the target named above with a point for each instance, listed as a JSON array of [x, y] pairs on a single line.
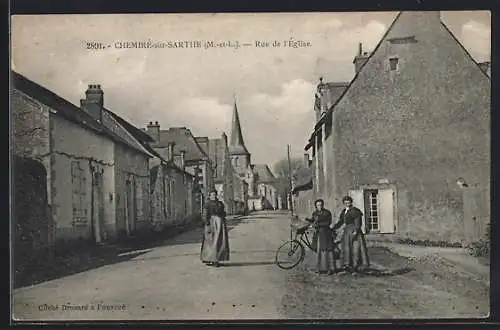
[[354, 251], [215, 245], [322, 239]]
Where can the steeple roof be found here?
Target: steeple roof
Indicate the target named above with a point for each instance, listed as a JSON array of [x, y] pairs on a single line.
[[236, 145]]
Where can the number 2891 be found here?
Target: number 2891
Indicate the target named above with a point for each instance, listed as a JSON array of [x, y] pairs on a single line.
[[93, 45]]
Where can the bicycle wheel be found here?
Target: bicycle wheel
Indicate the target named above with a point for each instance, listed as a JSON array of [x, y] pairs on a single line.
[[290, 254]]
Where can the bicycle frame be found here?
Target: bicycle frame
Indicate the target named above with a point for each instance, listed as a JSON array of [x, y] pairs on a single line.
[[304, 239]]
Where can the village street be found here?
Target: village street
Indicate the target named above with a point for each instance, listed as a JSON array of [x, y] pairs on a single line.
[[170, 282]]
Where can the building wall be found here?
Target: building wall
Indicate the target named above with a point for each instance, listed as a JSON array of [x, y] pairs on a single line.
[[74, 145], [304, 204], [172, 198], [31, 131], [134, 166], [419, 136]]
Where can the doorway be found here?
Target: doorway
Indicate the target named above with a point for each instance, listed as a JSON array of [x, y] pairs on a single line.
[[130, 208]]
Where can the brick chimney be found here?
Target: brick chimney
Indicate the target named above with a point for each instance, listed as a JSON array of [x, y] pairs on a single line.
[[153, 130], [171, 151], [360, 58], [93, 102]]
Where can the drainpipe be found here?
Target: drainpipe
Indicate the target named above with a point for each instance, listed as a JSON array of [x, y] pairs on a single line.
[[92, 225]]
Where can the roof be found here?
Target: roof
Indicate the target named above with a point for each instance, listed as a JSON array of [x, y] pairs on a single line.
[[137, 133], [404, 30], [184, 140], [115, 127], [263, 173], [203, 143], [62, 107], [112, 123], [236, 144]]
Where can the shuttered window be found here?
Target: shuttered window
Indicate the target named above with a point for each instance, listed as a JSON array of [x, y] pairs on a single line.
[[79, 194]]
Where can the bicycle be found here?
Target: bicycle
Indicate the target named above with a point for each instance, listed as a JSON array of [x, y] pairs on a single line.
[[292, 252]]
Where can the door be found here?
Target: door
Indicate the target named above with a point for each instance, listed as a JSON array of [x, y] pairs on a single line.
[[386, 211], [98, 208], [358, 201]]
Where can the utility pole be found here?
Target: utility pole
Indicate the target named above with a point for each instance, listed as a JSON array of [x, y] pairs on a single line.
[[290, 178]]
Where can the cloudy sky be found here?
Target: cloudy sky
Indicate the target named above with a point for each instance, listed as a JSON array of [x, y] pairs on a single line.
[[274, 87]]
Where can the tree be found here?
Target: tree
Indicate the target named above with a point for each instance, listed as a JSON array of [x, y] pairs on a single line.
[[281, 169]]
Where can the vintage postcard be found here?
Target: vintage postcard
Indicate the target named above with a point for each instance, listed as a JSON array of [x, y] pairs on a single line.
[[251, 166]]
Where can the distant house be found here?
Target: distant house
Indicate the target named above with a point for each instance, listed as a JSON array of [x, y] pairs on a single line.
[[265, 195], [414, 119], [259, 179], [179, 144], [97, 172]]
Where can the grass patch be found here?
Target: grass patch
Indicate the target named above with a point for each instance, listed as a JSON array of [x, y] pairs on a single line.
[[481, 248], [429, 243]]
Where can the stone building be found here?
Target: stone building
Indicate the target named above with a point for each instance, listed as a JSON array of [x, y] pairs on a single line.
[[186, 152], [414, 119], [97, 171], [173, 196], [262, 193]]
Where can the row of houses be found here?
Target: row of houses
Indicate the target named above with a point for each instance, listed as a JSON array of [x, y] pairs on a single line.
[[84, 173], [408, 138]]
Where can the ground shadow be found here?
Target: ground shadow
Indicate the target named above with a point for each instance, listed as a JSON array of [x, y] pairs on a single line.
[[90, 257], [69, 265], [248, 263], [386, 272]]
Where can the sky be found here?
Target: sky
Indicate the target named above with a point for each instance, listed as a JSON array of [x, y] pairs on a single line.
[[196, 87]]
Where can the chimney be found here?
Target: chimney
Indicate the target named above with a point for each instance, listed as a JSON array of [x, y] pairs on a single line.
[[171, 151], [360, 58], [183, 159], [93, 102], [153, 130], [306, 160]]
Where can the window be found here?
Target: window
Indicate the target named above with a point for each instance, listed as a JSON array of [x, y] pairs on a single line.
[[372, 218], [79, 194], [393, 63]]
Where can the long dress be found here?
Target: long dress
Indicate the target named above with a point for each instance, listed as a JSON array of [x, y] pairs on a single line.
[[354, 251], [215, 244], [323, 240]]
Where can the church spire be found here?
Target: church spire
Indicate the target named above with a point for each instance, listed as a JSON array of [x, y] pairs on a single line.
[[236, 145]]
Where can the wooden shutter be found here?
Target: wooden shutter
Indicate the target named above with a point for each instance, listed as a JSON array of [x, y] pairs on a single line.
[[386, 211]]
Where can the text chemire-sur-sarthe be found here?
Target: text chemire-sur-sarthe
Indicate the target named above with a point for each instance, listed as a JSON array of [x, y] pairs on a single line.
[[147, 44], [87, 307]]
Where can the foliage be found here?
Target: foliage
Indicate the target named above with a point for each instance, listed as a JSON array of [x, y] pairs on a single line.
[[427, 242], [281, 169], [482, 247]]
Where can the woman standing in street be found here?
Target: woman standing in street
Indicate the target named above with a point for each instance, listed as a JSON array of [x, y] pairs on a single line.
[[322, 220], [355, 254], [215, 245]]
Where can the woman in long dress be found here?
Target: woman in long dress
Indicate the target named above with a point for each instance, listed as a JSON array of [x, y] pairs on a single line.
[[355, 254], [215, 245], [323, 238]]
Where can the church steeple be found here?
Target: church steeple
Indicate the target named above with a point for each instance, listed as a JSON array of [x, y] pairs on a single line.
[[236, 145]]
